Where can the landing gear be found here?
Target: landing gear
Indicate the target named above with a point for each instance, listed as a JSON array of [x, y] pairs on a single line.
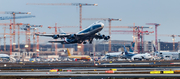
[[84, 42], [90, 42]]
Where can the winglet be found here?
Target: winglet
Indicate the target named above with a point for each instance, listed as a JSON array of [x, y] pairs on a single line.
[[69, 54], [126, 53]]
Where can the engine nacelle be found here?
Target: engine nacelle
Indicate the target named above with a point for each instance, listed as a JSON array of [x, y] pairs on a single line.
[[55, 36], [101, 36], [72, 36], [106, 37]]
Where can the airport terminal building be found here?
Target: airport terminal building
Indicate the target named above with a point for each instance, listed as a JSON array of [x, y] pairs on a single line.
[[102, 46]]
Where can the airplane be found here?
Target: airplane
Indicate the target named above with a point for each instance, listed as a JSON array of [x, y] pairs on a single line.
[[175, 55], [117, 54], [4, 56], [136, 56], [112, 55], [88, 33], [78, 57]]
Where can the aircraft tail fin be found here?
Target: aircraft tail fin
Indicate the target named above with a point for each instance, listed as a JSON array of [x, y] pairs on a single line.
[[61, 31], [69, 54], [132, 47], [125, 50], [155, 50]]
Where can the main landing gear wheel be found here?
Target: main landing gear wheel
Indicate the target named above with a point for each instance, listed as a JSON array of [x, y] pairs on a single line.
[[84, 42], [90, 42]]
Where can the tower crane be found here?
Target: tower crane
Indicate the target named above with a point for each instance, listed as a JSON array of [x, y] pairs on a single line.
[[37, 44], [136, 32], [10, 24], [14, 13], [109, 20], [4, 41], [139, 33], [156, 25], [169, 35], [24, 28], [74, 4], [27, 28], [17, 17]]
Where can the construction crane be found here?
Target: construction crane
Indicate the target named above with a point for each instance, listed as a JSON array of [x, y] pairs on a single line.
[[10, 24], [5, 37], [74, 4], [17, 17], [34, 39], [109, 20], [156, 25], [27, 28], [37, 44], [19, 32], [136, 32], [14, 13], [18, 24], [139, 34], [169, 35], [4, 41]]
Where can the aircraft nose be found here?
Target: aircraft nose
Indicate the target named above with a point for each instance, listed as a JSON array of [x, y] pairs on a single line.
[[102, 25]]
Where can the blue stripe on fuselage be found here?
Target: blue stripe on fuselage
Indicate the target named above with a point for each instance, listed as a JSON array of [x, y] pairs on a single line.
[[91, 28]]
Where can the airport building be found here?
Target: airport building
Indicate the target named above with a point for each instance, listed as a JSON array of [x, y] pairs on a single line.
[[102, 46]]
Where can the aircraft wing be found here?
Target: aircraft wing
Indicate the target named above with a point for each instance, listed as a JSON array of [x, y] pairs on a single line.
[[57, 42], [52, 35], [55, 36]]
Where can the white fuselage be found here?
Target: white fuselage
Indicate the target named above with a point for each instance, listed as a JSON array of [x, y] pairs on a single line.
[[4, 56], [114, 54], [141, 56], [174, 55]]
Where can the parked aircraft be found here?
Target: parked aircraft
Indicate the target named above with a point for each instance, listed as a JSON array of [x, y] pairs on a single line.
[[4, 56], [118, 54], [79, 57], [174, 55], [136, 56], [88, 33]]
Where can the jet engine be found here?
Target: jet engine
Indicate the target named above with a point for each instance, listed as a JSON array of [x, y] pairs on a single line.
[[101, 36], [106, 37], [72, 36], [55, 36]]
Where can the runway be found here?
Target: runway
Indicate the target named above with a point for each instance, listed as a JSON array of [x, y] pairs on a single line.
[[94, 75], [89, 69]]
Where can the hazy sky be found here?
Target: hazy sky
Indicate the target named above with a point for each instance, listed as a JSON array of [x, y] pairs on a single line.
[[140, 12]]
